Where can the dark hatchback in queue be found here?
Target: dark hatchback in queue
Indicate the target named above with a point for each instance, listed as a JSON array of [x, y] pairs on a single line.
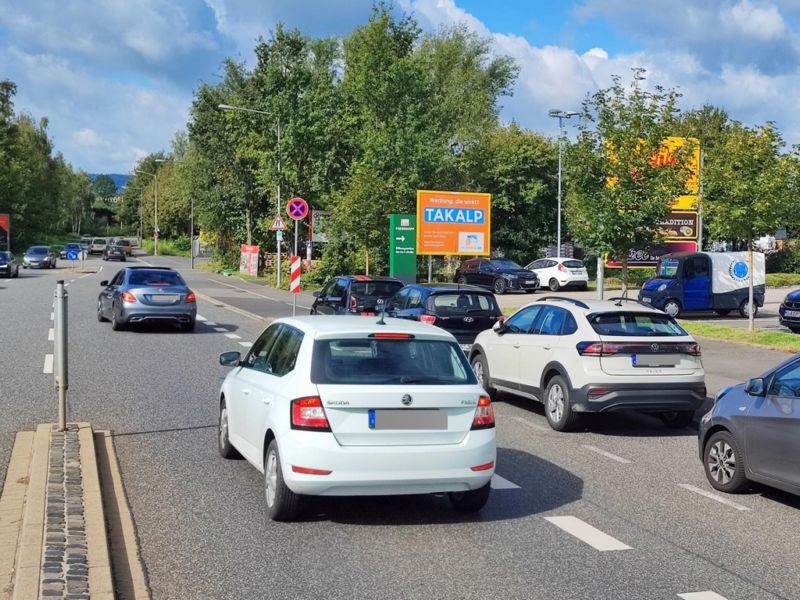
[[354, 295]]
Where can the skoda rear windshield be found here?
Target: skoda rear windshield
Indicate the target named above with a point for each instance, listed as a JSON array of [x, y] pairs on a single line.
[[463, 304], [155, 278], [369, 361], [375, 289], [573, 264], [635, 324], [668, 268]]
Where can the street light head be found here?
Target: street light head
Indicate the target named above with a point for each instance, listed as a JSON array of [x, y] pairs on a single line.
[[555, 112], [571, 113], [226, 107]]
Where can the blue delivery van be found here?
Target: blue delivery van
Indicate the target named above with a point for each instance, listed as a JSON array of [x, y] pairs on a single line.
[[705, 281]]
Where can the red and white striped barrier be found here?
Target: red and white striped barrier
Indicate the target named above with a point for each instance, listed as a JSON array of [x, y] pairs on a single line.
[[294, 281]]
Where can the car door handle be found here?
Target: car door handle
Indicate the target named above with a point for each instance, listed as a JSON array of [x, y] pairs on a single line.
[[516, 345], [267, 400], [547, 347], [246, 392]]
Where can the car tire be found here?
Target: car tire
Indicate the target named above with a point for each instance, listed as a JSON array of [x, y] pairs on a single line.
[[282, 503], [480, 367], [188, 327], [461, 280], [499, 286], [723, 312], [533, 291], [724, 463], [677, 419], [471, 500], [116, 324], [743, 309], [553, 285], [100, 316], [16, 273], [557, 406], [673, 308], [24, 266], [226, 450], [794, 329]]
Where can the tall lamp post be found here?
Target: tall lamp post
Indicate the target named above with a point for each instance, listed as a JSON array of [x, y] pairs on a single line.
[[278, 152], [155, 212], [560, 115]]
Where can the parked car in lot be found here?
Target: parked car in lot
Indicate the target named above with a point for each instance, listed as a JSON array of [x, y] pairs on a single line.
[[789, 311], [98, 245], [354, 295], [753, 432], [557, 273], [39, 257], [73, 246], [9, 267], [588, 357], [497, 274], [325, 406], [114, 252], [463, 310], [147, 295]]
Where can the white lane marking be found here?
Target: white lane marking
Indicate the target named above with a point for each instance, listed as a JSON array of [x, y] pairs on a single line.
[[66, 284], [200, 318], [246, 344], [52, 316], [87, 275], [702, 596], [72, 281], [51, 333], [100, 269], [588, 534], [233, 336], [712, 496], [144, 262], [211, 323], [602, 452], [501, 483], [257, 294], [530, 424], [220, 329], [48, 363]]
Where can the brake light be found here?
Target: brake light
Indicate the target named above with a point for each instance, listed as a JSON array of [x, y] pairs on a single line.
[[190, 297], [392, 336], [353, 304], [560, 267], [484, 414], [309, 471], [483, 467], [128, 297], [429, 319], [308, 414], [590, 348]]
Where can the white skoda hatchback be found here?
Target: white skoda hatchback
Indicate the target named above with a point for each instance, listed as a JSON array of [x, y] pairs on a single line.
[[329, 406]]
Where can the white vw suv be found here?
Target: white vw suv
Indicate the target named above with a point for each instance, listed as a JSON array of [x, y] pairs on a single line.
[[332, 406], [586, 357]]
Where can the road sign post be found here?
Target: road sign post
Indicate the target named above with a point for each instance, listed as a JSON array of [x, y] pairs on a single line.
[[297, 209], [61, 373], [402, 247]]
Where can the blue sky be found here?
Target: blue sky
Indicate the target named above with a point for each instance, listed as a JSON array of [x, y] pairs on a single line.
[[115, 78]]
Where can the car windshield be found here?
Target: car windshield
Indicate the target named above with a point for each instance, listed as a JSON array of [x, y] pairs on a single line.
[[668, 268], [38, 250], [5, 255], [72, 247], [463, 303], [99, 241], [635, 324], [372, 289], [573, 264], [364, 361], [155, 278], [505, 264], [123, 243]]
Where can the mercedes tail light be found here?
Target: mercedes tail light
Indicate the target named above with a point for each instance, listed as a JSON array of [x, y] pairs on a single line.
[[308, 414], [190, 297], [128, 297], [484, 414]]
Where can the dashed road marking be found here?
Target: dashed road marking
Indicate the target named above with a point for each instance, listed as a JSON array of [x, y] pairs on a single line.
[[712, 496], [233, 336], [200, 318], [246, 344], [531, 424], [702, 596], [257, 294], [602, 452], [220, 329], [52, 316], [501, 483], [211, 323], [51, 333], [48, 363], [588, 534]]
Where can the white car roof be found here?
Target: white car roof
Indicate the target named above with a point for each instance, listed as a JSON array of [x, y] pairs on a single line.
[[596, 306], [333, 325]]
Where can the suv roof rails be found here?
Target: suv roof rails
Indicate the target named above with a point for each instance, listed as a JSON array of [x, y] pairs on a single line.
[[574, 301], [618, 300]]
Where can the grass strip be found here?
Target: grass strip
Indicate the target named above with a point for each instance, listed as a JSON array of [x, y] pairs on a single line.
[[775, 340]]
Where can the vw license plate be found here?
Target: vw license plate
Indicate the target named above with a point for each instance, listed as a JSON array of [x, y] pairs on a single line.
[[414, 419], [792, 314]]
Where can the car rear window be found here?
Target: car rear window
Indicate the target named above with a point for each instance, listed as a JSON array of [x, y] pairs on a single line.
[[573, 264], [635, 324], [364, 361], [371, 289], [122, 243], [463, 303], [155, 278], [38, 250]]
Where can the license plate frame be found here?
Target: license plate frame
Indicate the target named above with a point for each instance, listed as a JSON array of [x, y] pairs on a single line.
[[647, 300], [408, 419], [654, 360], [792, 314], [164, 298]]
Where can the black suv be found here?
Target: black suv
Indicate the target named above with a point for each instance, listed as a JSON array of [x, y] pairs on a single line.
[[463, 310], [354, 295], [497, 274]]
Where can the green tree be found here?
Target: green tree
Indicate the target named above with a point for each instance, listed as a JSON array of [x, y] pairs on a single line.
[[104, 187], [616, 193]]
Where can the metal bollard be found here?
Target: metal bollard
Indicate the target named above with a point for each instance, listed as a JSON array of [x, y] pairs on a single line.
[[61, 371]]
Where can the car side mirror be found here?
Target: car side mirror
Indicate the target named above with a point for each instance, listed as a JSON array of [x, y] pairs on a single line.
[[230, 359], [316, 294], [755, 387], [104, 283], [499, 327]]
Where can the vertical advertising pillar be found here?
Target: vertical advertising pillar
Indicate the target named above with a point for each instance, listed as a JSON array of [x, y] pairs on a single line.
[[403, 247]]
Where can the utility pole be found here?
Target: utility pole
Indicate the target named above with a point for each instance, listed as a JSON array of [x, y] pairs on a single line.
[[560, 115]]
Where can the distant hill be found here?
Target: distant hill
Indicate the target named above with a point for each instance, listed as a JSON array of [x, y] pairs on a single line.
[[119, 179]]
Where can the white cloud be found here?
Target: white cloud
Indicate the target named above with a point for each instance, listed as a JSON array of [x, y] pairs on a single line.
[[86, 137]]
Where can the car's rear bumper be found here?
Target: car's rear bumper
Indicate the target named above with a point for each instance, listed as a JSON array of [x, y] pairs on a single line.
[[649, 397], [385, 470], [143, 313]]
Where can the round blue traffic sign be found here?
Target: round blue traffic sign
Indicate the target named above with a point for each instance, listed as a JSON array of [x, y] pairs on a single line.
[[297, 209], [72, 254]]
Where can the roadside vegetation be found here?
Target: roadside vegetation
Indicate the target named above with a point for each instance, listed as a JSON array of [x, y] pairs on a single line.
[[775, 340]]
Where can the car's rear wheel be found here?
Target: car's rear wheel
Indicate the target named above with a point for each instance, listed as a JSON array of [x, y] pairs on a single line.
[[673, 308], [481, 368], [744, 309], [100, 316], [188, 326], [723, 312], [282, 503], [724, 463], [500, 286], [554, 285], [116, 323], [677, 419], [794, 329], [557, 405], [226, 450], [461, 280], [472, 500]]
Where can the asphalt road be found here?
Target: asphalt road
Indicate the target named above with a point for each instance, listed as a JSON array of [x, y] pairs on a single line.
[[624, 480]]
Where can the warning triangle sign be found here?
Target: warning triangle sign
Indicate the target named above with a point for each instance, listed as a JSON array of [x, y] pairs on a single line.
[[278, 224]]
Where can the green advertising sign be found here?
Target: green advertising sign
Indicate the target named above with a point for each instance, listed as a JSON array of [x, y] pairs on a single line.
[[403, 247]]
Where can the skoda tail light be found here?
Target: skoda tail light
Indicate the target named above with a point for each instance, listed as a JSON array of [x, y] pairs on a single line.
[[308, 414], [484, 414]]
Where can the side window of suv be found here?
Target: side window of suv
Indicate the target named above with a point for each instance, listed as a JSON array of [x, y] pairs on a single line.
[[283, 355], [522, 321], [551, 321], [339, 289], [398, 301]]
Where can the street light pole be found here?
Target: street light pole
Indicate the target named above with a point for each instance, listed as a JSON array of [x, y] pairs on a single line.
[[560, 115], [278, 152]]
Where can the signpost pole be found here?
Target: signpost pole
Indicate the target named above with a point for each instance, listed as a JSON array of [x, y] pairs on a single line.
[[430, 268], [294, 296]]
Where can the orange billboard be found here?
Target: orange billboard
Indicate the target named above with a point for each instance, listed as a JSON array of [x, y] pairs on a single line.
[[453, 223]]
